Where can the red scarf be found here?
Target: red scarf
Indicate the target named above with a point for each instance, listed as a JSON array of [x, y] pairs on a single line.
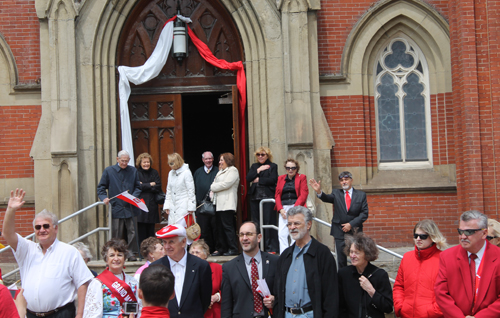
[[118, 287], [155, 312]]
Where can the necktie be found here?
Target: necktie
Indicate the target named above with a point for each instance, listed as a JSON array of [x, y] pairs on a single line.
[[472, 267], [347, 200], [257, 299], [208, 171]]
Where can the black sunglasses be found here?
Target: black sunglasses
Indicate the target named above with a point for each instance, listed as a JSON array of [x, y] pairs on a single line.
[[261, 154], [422, 236], [45, 226], [489, 238], [468, 232], [291, 168]]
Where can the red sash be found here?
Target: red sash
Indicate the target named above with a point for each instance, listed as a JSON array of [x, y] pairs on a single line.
[[118, 287]]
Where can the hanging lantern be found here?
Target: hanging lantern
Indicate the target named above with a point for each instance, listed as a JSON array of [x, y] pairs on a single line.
[[180, 37]]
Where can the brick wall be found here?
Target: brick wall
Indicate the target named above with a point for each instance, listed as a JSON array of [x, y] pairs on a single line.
[[21, 29], [24, 226]]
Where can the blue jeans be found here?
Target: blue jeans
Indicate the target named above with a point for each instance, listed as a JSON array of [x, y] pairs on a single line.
[[309, 314]]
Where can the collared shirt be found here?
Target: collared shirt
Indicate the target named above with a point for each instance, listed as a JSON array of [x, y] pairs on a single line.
[[289, 194], [248, 264], [206, 169], [116, 180], [50, 281], [297, 293], [479, 255], [350, 195], [179, 271]]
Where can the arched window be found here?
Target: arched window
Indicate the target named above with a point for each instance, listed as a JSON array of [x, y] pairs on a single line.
[[402, 106]]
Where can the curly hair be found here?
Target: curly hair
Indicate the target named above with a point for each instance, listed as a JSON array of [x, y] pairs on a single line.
[[362, 243], [149, 246], [142, 156], [203, 245], [293, 161], [266, 150], [117, 244]]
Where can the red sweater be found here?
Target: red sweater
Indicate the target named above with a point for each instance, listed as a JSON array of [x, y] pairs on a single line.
[[413, 291]]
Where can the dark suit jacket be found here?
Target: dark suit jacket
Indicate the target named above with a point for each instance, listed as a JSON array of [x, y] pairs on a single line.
[[300, 188], [357, 214], [237, 296], [267, 178], [196, 291], [453, 286]]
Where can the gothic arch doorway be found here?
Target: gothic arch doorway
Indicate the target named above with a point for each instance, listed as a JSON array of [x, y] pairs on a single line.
[[191, 106]]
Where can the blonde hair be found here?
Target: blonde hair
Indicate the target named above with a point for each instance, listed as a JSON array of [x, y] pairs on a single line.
[[203, 245], [429, 227], [142, 156], [176, 159], [494, 225], [266, 150]]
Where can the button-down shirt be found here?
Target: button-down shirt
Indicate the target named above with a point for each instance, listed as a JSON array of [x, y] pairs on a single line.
[[479, 255], [297, 293], [350, 195], [179, 271], [248, 264], [50, 280], [116, 180]]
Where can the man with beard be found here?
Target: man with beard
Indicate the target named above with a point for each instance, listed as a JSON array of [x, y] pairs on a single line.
[[306, 285], [350, 210], [239, 277], [468, 281]]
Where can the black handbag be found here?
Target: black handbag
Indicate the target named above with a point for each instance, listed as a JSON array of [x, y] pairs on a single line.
[[160, 197], [206, 207]]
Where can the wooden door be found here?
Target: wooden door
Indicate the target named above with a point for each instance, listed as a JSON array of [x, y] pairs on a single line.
[[156, 122]]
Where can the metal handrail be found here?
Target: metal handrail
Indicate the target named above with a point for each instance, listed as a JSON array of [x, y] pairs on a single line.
[[261, 218], [99, 229]]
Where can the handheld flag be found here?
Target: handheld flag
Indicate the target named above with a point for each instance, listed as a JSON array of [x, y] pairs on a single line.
[[127, 197]]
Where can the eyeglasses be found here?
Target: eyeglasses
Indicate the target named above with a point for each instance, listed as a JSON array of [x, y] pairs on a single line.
[[468, 232], [291, 168], [422, 236], [45, 226], [261, 154], [489, 238], [249, 234], [171, 163]]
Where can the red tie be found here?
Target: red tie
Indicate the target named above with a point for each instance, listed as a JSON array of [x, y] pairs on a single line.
[[257, 299], [472, 267], [347, 200]]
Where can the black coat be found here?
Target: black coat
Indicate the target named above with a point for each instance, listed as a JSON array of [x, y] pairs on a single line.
[[321, 277], [267, 178], [236, 291], [148, 194], [352, 296], [357, 214], [196, 291]]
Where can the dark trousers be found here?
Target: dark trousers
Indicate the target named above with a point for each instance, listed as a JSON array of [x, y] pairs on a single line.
[[125, 229], [68, 311], [208, 230], [145, 230], [338, 234], [226, 231], [269, 218]]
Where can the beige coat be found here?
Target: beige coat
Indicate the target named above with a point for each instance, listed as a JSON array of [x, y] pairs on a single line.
[[225, 189]]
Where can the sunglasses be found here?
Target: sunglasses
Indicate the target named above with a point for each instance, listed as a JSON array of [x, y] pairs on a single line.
[[45, 226], [291, 168], [468, 232], [489, 238], [261, 154], [422, 236], [171, 163]]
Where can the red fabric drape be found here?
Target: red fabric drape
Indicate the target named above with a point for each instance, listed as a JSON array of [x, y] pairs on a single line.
[[242, 98]]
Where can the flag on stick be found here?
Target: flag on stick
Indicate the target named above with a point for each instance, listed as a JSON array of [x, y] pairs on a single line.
[[127, 197]]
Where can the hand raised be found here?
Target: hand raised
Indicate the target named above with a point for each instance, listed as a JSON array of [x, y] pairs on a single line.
[[16, 199], [316, 185]]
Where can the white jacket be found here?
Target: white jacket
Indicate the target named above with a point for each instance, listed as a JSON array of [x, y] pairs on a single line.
[[179, 197], [225, 189]]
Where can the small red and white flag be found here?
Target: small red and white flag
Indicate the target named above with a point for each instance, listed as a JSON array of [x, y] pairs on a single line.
[[127, 197]]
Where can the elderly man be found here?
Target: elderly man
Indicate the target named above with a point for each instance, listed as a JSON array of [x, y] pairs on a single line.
[[468, 281], [193, 276], [350, 210], [239, 277], [203, 178], [306, 285], [117, 179], [52, 273]]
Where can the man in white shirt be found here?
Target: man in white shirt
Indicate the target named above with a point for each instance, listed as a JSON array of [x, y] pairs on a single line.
[[52, 273], [193, 276]]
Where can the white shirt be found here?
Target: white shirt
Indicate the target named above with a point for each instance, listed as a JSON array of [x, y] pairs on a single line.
[[350, 195], [179, 271], [206, 169], [50, 281], [479, 255]]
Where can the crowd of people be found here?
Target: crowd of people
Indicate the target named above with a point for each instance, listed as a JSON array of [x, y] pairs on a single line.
[[295, 277]]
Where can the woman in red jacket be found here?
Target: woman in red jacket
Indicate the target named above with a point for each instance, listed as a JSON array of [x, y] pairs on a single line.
[[291, 191], [413, 291]]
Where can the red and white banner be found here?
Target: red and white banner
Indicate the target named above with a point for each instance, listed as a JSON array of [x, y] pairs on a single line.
[[127, 197]]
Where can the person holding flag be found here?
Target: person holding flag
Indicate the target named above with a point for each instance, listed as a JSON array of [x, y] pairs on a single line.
[[116, 180]]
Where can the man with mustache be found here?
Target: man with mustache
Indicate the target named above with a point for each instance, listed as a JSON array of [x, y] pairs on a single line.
[[307, 284], [350, 210], [468, 282]]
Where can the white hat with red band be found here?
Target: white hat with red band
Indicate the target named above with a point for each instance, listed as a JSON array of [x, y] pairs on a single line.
[[170, 231]]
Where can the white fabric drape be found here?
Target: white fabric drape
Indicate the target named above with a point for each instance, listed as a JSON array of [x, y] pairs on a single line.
[[139, 75]]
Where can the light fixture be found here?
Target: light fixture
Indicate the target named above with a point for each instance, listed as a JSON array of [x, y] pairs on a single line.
[[180, 37]]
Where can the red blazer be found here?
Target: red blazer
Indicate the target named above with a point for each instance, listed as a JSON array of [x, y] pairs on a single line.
[[454, 286], [300, 187], [216, 268]]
